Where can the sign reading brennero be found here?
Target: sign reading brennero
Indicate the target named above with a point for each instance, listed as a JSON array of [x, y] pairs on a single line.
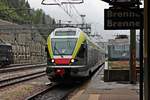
[[121, 19]]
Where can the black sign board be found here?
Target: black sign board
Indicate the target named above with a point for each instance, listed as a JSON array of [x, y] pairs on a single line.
[[122, 19]]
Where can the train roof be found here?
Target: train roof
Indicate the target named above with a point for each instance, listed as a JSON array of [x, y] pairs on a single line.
[[73, 32], [67, 29], [67, 32]]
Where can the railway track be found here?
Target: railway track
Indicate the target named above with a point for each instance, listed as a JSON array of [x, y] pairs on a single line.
[[19, 79], [41, 92], [59, 91], [17, 74], [14, 65], [21, 67], [54, 92]]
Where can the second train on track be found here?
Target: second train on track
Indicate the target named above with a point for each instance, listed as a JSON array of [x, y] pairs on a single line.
[[71, 54]]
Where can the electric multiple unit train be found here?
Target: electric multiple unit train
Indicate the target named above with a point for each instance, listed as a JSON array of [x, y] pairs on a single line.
[[71, 54]]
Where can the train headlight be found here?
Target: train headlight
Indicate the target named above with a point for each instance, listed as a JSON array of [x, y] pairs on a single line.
[[52, 60], [72, 60]]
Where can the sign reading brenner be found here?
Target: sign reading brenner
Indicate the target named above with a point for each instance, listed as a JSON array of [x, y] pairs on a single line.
[[121, 19]]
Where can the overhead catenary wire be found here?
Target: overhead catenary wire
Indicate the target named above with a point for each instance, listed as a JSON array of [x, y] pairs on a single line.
[[66, 11], [69, 9]]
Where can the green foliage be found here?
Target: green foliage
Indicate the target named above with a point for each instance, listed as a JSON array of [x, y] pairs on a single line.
[[19, 11], [37, 16]]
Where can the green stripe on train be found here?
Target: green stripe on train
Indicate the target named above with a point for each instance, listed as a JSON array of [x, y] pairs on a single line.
[[49, 47]]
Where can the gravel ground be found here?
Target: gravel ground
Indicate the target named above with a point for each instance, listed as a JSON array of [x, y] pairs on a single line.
[[23, 90]]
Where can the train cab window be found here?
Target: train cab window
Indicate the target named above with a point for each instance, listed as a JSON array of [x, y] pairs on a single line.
[[63, 46]]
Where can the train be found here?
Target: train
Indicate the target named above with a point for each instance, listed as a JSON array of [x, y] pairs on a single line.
[[119, 48], [6, 54], [72, 55]]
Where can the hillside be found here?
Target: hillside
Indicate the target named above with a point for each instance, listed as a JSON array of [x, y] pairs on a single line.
[[19, 11]]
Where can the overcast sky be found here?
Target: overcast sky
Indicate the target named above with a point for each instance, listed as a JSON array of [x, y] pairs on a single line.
[[93, 9]]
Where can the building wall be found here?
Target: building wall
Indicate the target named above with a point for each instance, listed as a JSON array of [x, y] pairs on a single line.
[[28, 47]]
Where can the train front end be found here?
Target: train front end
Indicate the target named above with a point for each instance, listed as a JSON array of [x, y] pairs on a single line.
[[64, 54]]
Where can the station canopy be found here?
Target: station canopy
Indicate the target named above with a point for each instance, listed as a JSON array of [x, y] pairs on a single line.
[[59, 2]]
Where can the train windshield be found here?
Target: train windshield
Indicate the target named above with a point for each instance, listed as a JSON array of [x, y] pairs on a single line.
[[63, 46]]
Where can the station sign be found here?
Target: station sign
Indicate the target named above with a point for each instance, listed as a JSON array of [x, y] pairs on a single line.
[[119, 19]]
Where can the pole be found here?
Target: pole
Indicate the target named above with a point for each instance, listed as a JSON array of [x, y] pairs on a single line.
[[146, 52], [141, 63], [59, 23], [141, 56], [132, 56]]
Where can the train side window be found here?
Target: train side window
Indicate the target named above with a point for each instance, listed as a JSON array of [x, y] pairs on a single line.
[[82, 50]]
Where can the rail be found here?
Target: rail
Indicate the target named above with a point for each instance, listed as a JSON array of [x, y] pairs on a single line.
[[18, 79]]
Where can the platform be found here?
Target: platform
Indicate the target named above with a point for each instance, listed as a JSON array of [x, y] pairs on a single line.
[[97, 89]]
